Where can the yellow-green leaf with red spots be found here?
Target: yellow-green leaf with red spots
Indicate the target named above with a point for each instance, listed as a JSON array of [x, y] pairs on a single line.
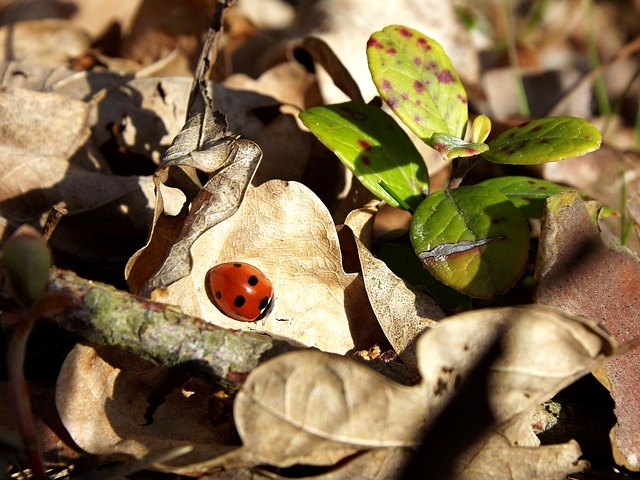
[[415, 77]]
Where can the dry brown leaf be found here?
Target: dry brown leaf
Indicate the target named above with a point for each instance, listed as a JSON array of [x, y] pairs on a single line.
[[402, 311], [49, 42], [346, 27], [44, 161], [284, 229], [580, 273], [500, 460], [115, 404], [264, 120], [361, 220], [315, 408]]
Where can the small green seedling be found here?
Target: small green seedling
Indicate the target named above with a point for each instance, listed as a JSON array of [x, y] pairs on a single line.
[[474, 239]]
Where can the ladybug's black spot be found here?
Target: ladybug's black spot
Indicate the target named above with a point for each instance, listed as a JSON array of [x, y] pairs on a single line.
[[265, 307], [252, 280], [264, 303], [239, 301], [218, 294], [237, 265]]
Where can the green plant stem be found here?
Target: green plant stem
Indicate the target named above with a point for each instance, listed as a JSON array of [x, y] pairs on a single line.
[[19, 393], [512, 51], [593, 59]]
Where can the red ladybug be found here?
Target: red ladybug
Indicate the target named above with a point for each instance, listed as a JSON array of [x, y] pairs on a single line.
[[241, 291]]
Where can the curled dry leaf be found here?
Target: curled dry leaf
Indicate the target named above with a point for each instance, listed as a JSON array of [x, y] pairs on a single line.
[[115, 404], [315, 408], [284, 229], [402, 311], [202, 144], [580, 273]]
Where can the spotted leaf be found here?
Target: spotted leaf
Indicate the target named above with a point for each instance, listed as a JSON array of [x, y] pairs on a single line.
[[544, 140], [451, 147], [472, 239], [374, 147], [415, 77]]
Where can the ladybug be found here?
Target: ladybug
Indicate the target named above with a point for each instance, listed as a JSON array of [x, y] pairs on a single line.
[[241, 291]]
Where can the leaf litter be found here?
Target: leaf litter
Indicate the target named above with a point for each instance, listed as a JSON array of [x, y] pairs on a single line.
[[310, 406]]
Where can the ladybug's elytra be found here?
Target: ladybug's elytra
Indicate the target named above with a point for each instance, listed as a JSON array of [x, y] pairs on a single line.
[[241, 291]]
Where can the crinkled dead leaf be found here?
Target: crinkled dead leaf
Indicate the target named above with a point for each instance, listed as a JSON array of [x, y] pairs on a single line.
[[580, 273], [203, 145], [284, 229], [315, 408], [117, 405]]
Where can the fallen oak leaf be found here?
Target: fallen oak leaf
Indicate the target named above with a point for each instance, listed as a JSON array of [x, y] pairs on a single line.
[[283, 229], [543, 350]]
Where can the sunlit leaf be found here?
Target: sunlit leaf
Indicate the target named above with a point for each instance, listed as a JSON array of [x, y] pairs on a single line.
[[480, 128], [415, 77], [472, 239], [374, 147], [526, 193], [544, 140]]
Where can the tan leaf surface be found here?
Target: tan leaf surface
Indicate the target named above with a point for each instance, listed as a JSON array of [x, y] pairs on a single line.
[[311, 407], [284, 229], [50, 42], [115, 404], [500, 460], [582, 274], [543, 350], [346, 27], [402, 311]]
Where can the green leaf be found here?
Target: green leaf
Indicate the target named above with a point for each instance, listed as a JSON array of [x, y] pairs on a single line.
[[480, 128], [472, 239], [373, 146], [530, 194], [417, 80], [451, 147], [544, 140], [526, 193]]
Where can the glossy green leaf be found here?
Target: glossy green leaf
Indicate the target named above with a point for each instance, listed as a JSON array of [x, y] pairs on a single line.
[[415, 77], [451, 147], [374, 147], [530, 194], [526, 193], [472, 239], [544, 140], [480, 128]]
